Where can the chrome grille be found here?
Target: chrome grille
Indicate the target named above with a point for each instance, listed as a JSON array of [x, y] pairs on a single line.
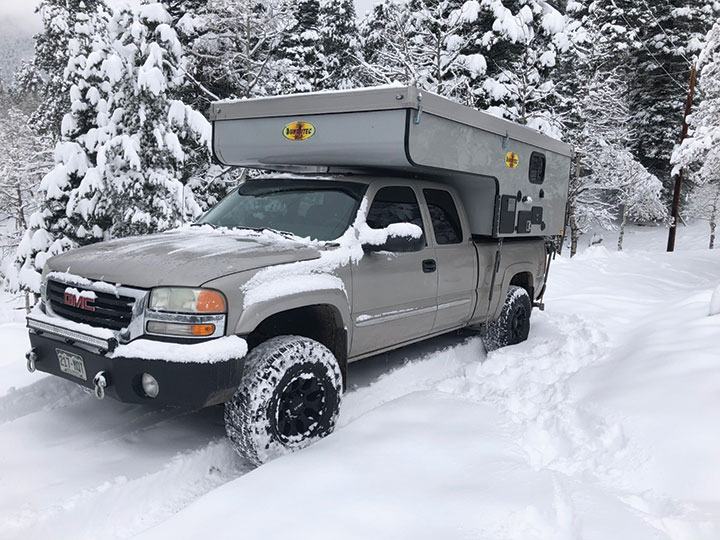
[[114, 312]]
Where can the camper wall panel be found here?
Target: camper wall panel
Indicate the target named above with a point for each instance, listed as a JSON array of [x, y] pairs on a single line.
[[365, 140], [440, 143]]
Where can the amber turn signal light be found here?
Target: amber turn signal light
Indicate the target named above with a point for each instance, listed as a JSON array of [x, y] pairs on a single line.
[[203, 329]]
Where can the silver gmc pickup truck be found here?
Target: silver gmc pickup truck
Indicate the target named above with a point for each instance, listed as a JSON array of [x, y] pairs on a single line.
[[190, 286], [263, 302]]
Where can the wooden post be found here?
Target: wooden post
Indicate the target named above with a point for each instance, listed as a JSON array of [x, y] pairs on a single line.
[[675, 210]]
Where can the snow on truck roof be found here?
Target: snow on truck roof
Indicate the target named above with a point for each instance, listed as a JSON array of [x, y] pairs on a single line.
[[382, 98]]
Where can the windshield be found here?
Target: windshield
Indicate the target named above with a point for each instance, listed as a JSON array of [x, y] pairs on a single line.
[[318, 209]]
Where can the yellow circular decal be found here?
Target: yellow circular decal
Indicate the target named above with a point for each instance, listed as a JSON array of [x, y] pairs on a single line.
[[299, 131], [512, 160]]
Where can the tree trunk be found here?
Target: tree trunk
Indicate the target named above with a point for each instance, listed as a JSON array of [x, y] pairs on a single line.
[[713, 216], [621, 236], [572, 200], [574, 236]]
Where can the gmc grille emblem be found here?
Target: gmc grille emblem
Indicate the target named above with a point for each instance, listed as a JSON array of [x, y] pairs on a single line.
[[78, 302]]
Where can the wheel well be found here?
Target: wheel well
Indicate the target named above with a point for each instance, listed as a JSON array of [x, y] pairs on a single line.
[[524, 280], [321, 322]]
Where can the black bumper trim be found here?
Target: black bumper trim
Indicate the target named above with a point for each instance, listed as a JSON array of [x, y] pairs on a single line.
[[188, 385]]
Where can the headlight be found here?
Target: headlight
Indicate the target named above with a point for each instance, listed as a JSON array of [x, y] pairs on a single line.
[[186, 300]]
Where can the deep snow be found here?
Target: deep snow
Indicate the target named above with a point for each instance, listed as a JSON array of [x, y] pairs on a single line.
[[603, 425]]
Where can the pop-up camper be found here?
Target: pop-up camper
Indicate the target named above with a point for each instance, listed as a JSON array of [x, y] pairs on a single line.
[[513, 180]]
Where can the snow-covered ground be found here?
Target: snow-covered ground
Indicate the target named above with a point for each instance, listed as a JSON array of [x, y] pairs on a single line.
[[604, 424]]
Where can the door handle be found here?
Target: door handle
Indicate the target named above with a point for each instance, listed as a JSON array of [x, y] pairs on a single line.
[[429, 265]]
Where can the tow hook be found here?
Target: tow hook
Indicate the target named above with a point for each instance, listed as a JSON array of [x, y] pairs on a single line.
[[31, 357], [100, 382]]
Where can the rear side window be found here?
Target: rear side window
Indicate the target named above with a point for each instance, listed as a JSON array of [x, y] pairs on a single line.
[[394, 205], [444, 216], [537, 168]]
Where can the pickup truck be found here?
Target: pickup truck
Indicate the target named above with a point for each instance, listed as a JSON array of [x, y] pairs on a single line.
[[265, 300]]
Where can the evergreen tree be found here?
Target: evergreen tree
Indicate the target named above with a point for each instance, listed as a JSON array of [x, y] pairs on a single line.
[[340, 44], [606, 178], [142, 160], [51, 230], [301, 59], [700, 152], [671, 34], [529, 35], [119, 166], [52, 52]]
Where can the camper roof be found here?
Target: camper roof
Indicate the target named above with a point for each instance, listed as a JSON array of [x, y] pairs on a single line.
[[378, 99]]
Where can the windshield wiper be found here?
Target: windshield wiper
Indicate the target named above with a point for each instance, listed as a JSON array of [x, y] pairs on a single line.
[[270, 229]]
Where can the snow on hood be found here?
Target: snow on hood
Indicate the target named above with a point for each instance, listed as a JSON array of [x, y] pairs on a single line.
[[188, 256]]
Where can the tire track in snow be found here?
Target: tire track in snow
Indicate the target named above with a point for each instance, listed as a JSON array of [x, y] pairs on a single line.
[[162, 493], [46, 394]]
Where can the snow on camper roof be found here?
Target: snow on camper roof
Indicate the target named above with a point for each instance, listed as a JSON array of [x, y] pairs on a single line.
[[382, 98]]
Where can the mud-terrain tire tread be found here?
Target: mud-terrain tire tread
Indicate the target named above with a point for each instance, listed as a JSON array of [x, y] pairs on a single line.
[[500, 333], [248, 414]]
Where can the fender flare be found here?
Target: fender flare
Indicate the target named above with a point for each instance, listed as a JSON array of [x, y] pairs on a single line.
[[510, 272], [253, 315]]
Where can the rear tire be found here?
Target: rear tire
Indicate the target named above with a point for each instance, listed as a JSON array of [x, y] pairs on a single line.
[[289, 397], [513, 325]]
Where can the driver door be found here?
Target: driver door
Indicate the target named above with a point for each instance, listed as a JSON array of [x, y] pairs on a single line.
[[394, 294]]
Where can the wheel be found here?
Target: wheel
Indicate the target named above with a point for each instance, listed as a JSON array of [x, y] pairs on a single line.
[[289, 397], [513, 325]]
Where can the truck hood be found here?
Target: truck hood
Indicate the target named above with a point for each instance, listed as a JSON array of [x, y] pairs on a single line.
[[186, 257]]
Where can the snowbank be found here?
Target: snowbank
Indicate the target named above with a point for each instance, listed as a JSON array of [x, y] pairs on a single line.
[[603, 425]]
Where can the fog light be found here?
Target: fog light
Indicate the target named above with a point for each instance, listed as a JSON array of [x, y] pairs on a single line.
[[150, 385]]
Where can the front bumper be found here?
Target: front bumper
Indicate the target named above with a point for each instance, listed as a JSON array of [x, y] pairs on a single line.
[[191, 385]]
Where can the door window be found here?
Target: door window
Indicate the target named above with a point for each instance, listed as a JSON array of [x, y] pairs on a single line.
[[396, 204], [444, 216]]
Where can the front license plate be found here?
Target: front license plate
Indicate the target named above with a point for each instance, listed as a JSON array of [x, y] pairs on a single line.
[[72, 364]]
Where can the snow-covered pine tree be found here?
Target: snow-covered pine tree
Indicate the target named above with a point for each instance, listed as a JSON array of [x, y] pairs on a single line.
[[340, 44], [606, 177], [523, 44], [141, 160], [301, 65], [672, 34], [700, 151], [51, 230], [120, 163], [50, 60]]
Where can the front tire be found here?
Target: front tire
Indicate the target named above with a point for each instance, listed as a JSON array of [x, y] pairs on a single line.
[[513, 325], [289, 397]]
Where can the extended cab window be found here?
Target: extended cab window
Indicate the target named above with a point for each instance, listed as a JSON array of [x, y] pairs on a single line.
[[318, 209], [394, 205], [444, 216]]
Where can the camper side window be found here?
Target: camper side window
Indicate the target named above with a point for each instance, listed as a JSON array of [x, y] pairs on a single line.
[[537, 168], [444, 216], [394, 205]]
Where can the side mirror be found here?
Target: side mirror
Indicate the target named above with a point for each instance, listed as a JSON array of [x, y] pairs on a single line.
[[396, 238]]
